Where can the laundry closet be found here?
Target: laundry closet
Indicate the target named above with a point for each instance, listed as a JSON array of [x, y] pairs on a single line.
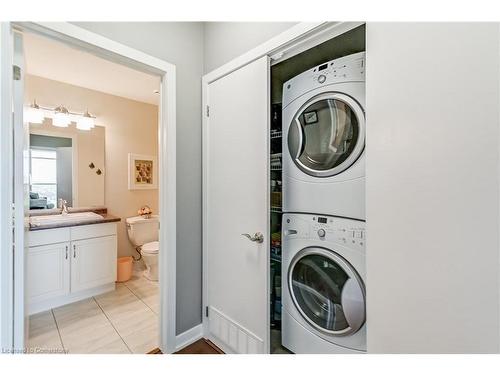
[[251, 131], [327, 63], [256, 141]]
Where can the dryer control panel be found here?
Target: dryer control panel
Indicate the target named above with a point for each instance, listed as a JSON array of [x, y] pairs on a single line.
[[345, 69], [338, 70], [347, 232]]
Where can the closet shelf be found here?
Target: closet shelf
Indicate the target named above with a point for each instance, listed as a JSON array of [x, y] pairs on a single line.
[[275, 259], [276, 209], [276, 135]]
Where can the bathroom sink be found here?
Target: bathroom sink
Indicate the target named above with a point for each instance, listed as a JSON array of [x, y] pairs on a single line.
[[36, 221]]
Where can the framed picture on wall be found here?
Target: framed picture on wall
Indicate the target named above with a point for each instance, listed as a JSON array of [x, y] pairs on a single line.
[[142, 172]]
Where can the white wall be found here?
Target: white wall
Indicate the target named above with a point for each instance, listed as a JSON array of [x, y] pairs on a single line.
[[180, 43], [226, 40], [432, 187]]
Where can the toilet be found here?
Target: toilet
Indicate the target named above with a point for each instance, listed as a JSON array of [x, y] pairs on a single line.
[[143, 233]]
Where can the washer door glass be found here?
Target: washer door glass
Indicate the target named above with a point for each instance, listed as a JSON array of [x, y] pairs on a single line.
[[327, 292], [327, 135]]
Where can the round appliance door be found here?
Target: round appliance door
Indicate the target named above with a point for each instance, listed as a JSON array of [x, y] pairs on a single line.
[[327, 135], [327, 291]]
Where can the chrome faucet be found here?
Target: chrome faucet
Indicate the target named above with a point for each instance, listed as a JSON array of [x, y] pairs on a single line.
[[64, 206]]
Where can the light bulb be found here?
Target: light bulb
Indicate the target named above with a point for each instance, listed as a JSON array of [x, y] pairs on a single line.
[[85, 122], [61, 118], [34, 114]]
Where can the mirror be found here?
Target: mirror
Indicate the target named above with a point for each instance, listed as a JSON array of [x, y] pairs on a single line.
[[66, 163]]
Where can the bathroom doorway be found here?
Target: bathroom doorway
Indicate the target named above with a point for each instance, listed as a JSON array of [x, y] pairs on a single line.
[[49, 152]]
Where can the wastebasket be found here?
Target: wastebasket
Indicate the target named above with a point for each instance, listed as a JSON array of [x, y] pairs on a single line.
[[124, 271]]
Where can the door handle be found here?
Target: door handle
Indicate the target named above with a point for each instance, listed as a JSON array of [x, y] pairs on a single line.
[[257, 237], [66, 252], [74, 251]]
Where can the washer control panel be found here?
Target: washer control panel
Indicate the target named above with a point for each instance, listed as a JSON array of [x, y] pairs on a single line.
[[347, 232]]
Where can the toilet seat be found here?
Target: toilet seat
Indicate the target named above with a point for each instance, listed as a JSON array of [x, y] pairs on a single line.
[[151, 247]]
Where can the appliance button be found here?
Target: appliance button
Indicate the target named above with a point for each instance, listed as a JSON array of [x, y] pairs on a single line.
[[321, 233], [322, 78], [359, 234]]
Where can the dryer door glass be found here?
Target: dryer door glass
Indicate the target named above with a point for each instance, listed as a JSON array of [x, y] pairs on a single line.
[[317, 281], [327, 135]]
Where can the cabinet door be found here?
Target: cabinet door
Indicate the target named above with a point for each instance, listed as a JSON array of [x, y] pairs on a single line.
[[47, 272], [93, 262]]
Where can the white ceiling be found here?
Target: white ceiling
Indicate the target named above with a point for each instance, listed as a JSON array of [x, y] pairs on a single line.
[[59, 62]]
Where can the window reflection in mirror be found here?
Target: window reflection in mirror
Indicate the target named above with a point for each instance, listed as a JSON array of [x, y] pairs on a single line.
[[59, 162]]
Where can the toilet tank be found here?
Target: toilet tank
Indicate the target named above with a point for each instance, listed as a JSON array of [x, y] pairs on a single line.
[[141, 230]]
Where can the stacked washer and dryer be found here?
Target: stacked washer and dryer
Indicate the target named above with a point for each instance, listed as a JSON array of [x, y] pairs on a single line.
[[323, 227]]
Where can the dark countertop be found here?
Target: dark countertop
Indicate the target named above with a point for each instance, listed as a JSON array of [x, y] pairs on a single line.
[[106, 218], [56, 211]]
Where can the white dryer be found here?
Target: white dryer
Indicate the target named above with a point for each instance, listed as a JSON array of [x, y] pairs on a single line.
[[324, 139], [323, 272]]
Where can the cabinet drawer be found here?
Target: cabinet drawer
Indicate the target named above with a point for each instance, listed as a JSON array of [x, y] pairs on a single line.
[[93, 231], [48, 236]]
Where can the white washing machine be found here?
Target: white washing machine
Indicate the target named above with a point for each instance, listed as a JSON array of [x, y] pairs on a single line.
[[324, 139], [323, 272]]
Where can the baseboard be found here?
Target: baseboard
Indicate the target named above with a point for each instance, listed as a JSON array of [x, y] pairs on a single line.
[[188, 337]]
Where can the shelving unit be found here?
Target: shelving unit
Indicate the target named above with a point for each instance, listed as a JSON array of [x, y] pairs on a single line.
[[275, 214]]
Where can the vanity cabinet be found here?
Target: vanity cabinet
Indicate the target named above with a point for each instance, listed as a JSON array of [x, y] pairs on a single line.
[[65, 265]]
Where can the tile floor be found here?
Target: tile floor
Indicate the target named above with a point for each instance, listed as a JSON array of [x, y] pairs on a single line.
[[122, 321]]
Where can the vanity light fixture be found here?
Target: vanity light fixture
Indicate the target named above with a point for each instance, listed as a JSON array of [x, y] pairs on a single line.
[[34, 114], [61, 117], [85, 122]]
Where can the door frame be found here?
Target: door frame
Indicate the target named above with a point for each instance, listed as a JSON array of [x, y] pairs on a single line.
[[6, 189], [291, 42], [108, 49]]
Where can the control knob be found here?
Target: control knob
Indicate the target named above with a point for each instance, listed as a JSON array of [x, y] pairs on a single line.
[[321, 233]]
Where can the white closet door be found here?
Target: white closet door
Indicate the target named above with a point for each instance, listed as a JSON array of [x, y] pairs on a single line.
[[235, 202]]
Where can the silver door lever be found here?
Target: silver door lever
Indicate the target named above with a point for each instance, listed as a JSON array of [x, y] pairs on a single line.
[[257, 237]]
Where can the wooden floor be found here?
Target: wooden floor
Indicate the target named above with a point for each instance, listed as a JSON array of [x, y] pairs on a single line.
[[202, 346]]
